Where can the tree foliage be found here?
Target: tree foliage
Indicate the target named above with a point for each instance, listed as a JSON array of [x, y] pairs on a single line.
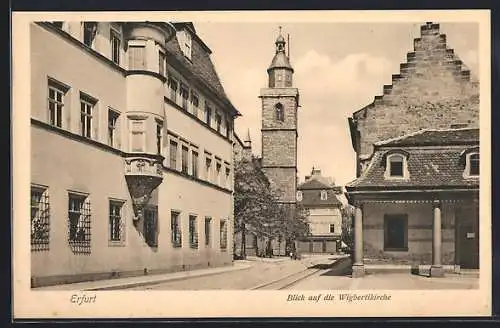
[[258, 211], [348, 212]]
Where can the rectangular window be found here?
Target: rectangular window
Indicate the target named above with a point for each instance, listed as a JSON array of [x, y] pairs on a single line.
[[474, 164], [115, 221], [79, 219], [115, 47], [173, 85], [396, 232], [112, 127], [137, 136], [208, 223], [332, 228], [151, 226], [223, 234], [86, 115], [136, 57], [161, 63], [184, 96], [159, 137], [218, 121], [208, 168], [89, 32], [176, 229], [195, 102], [218, 168], [184, 159], [40, 219], [173, 155], [228, 181], [208, 114], [56, 103], [185, 41], [194, 164], [193, 233], [228, 129]]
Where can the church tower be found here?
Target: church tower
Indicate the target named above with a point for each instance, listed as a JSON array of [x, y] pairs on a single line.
[[280, 101]]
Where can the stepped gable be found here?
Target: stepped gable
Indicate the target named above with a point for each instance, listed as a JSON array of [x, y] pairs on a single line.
[[433, 89]]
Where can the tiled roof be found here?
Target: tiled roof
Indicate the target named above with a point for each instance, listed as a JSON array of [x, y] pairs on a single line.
[[200, 65], [428, 167], [312, 198], [435, 137], [313, 184]]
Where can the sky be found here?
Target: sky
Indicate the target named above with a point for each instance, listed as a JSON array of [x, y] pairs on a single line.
[[339, 68]]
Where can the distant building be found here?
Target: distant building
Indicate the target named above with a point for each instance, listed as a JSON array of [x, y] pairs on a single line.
[[132, 151], [417, 146], [318, 195]]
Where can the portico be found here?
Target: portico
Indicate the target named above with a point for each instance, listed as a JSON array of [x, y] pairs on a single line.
[[418, 227]]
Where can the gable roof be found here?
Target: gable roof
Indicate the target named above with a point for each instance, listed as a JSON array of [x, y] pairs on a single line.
[[313, 184], [428, 168], [200, 66], [427, 137], [312, 198]]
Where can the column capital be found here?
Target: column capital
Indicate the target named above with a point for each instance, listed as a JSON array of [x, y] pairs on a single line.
[[437, 202]]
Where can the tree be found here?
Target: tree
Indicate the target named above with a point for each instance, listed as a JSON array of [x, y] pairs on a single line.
[[348, 212], [254, 202]]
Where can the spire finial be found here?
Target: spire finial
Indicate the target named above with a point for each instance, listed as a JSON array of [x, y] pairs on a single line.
[[280, 28], [247, 139]]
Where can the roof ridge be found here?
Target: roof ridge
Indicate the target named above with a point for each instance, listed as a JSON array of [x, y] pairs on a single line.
[[422, 131]]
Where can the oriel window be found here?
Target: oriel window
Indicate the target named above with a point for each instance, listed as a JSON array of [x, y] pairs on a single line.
[[159, 137]]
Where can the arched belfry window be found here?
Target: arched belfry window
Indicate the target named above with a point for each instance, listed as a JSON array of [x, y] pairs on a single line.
[[280, 114]]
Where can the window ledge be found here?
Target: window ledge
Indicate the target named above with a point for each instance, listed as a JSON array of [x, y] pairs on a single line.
[[402, 249], [116, 243]]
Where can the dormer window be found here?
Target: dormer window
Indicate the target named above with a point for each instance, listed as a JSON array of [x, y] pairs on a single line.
[[185, 42], [472, 165], [396, 166], [324, 195], [299, 196]]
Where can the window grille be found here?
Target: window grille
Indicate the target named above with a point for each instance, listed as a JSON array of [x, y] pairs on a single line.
[[115, 221], [151, 227], [176, 230], [40, 220], [223, 235], [193, 233], [207, 231], [79, 219]]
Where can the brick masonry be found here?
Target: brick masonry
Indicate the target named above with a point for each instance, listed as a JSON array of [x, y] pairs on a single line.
[[279, 140], [433, 90]]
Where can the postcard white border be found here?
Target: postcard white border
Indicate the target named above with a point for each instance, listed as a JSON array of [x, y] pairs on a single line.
[[170, 304]]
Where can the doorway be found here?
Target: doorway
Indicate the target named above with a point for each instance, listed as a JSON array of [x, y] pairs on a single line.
[[467, 237]]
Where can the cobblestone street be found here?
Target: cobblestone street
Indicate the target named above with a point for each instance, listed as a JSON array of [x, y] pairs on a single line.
[[314, 273]]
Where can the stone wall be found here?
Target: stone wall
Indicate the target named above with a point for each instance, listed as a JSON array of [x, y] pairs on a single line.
[[433, 90]]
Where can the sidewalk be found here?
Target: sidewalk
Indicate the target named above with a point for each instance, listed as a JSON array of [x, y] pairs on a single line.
[[130, 282]]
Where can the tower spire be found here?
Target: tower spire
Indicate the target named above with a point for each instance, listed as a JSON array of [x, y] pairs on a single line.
[[248, 141]]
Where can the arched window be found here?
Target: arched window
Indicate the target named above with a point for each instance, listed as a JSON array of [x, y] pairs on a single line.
[[299, 195], [396, 166], [280, 114], [324, 195]]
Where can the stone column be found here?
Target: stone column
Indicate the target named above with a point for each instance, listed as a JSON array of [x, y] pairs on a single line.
[[358, 268], [436, 267]]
